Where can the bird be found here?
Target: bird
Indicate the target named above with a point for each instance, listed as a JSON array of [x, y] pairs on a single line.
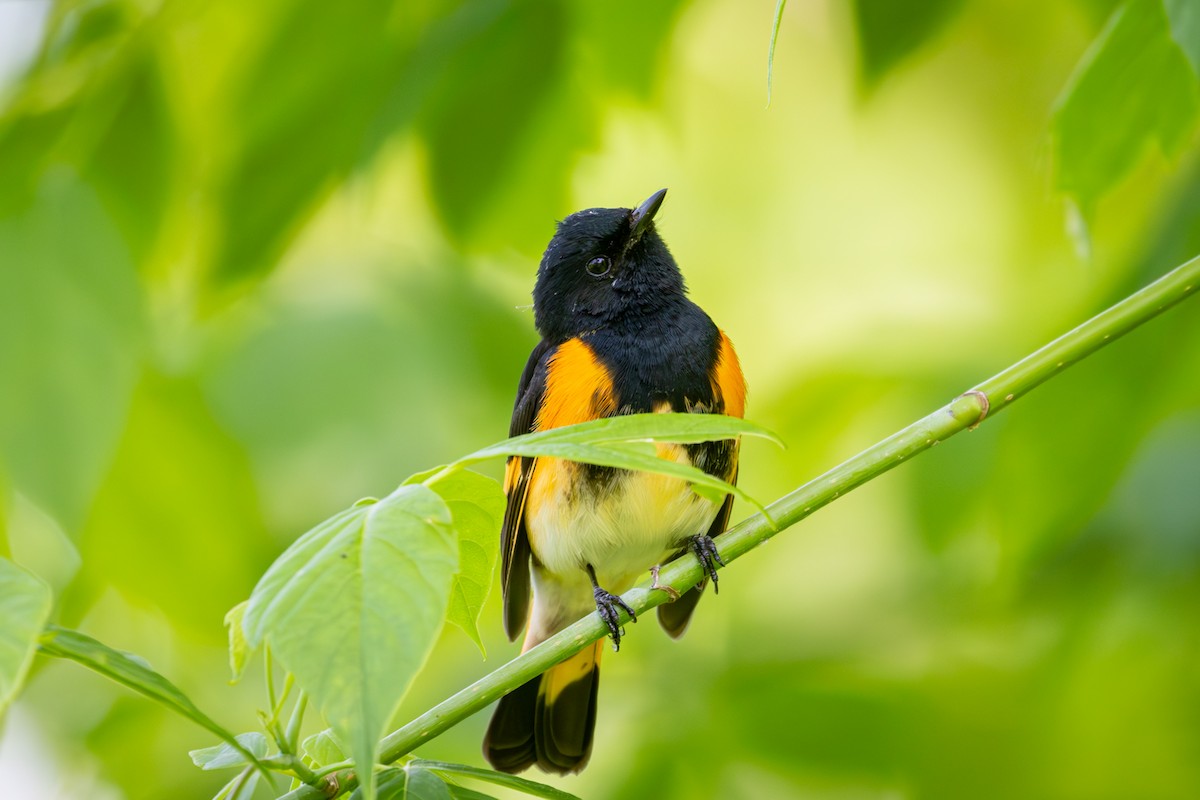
[[619, 335]]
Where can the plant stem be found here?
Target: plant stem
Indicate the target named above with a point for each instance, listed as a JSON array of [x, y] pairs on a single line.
[[964, 412]]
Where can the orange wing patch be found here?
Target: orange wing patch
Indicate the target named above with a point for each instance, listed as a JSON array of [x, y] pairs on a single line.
[[578, 388], [729, 385]]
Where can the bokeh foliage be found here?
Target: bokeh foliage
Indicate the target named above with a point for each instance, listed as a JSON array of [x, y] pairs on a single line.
[[258, 260]]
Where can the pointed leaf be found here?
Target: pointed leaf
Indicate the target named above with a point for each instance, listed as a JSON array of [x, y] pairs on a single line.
[[240, 788], [223, 756], [491, 776], [477, 505], [24, 608], [239, 649], [133, 673], [353, 607], [1133, 89]]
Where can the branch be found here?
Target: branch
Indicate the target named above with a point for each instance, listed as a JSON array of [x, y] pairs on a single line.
[[965, 412]]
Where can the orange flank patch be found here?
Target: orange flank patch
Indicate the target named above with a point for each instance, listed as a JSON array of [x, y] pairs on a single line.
[[578, 388], [728, 383]]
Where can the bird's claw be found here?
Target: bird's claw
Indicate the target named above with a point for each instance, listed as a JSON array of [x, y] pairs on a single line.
[[705, 549], [606, 606]]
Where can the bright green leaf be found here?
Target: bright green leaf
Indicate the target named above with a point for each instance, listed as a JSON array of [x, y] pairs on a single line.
[[889, 31], [679, 428], [477, 505], [408, 783], [24, 608], [324, 748], [491, 776], [133, 673], [1133, 89], [239, 649], [223, 756], [353, 607], [240, 788]]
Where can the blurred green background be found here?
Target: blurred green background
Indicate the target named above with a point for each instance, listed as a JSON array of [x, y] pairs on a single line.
[[258, 260]]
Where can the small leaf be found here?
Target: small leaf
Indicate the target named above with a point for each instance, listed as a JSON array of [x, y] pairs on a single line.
[[133, 673], [1134, 88], [490, 776], [354, 606], [240, 788], [477, 505], [25, 603], [779, 4], [222, 756], [239, 649], [324, 748]]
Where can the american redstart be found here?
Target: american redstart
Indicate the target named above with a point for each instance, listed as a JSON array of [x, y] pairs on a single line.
[[619, 336]]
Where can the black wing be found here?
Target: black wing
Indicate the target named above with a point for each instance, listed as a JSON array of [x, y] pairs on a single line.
[[514, 538]]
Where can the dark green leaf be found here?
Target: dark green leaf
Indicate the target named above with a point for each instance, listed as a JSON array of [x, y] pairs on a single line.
[[133, 673], [485, 103], [223, 756], [353, 607], [1133, 89], [498, 778], [25, 603], [890, 31]]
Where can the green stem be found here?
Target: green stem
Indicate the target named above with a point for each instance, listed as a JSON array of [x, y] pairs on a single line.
[[964, 412]]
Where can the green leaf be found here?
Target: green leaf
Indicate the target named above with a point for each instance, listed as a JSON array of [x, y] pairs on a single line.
[[240, 788], [239, 649], [133, 673], [504, 70], [678, 428], [223, 756], [353, 607], [25, 604], [1133, 89], [1184, 17], [477, 506], [408, 783], [613, 442], [324, 748], [70, 335], [889, 32], [490, 776], [171, 445], [779, 5]]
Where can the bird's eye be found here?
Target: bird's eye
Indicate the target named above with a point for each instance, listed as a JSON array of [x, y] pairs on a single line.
[[598, 267]]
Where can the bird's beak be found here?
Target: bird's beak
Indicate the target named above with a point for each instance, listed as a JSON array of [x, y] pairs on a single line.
[[643, 214]]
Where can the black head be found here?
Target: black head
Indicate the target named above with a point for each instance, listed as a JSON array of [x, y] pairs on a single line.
[[604, 266]]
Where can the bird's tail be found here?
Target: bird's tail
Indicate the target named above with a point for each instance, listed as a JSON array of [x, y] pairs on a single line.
[[549, 720]]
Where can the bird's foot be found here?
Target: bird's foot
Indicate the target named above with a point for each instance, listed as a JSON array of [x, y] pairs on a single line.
[[705, 549], [607, 605], [656, 585]]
